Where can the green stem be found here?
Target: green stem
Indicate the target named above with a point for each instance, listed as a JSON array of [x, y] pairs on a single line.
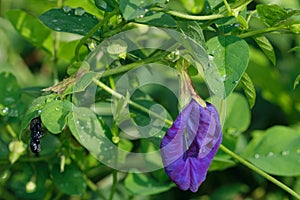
[[114, 184], [222, 147], [11, 130], [259, 171], [138, 106], [187, 16], [130, 66], [91, 33], [259, 32]]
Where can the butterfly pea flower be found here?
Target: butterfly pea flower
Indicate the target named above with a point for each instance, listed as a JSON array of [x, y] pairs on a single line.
[[190, 145]]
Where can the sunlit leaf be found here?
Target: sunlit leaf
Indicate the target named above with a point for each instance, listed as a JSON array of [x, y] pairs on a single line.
[[249, 89], [31, 29], [276, 151], [266, 47], [157, 19], [297, 81]]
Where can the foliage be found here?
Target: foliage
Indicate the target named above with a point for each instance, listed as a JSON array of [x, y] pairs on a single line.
[[50, 66]]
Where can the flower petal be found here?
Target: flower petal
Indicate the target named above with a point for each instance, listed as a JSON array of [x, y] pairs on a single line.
[[190, 144]]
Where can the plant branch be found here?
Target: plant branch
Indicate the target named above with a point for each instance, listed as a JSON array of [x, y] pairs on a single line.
[[92, 31], [187, 16], [260, 172], [259, 32], [114, 184]]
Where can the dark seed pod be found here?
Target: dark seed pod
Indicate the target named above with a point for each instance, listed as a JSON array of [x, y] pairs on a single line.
[[36, 134]]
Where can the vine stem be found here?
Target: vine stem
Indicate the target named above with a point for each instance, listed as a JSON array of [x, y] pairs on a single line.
[[186, 16], [259, 171], [259, 32], [222, 147], [114, 184], [91, 32]]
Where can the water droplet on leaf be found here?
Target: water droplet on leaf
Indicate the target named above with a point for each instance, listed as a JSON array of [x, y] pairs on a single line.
[[285, 153], [79, 11], [67, 9], [256, 156], [270, 154]]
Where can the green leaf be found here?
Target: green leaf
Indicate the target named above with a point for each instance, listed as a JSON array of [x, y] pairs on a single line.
[[10, 90], [31, 29], [69, 20], [193, 6], [296, 83], [105, 5], [297, 48], [249, 89], [87, 130], [231, 55], [157, 19], [132, 9], [49, 144], [236, 121], [54, 115], [271, 15], [192, 29], [35, 108], [266, 47], [276, 151], [141, 184], [70, 181]]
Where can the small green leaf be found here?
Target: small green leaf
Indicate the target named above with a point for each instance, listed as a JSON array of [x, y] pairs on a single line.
[[266, 47], [10, 89], [271, 15], [70, 181], [141, 184], [231, 55], [72, 20], [296, 83], [157, 19], [276, 151], [105, 5], [35, 109], [31, 29], [54, 115], [132, 9], [249, 89], [297, 48], [193, 6]]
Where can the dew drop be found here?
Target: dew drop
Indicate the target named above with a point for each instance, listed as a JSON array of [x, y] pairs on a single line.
[[285, 153], [211, 57], [57, 109], [109, 161], [111, 147], [39, 112], [270, 154], [5, 110], [54, 20], [105, 149], [146, 10], [141, 16], [67, 9], [79, 11], [101, 157], [234, 82], [256, 156]]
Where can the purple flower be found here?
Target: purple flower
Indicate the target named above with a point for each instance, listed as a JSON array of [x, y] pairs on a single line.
[[190, 145]]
